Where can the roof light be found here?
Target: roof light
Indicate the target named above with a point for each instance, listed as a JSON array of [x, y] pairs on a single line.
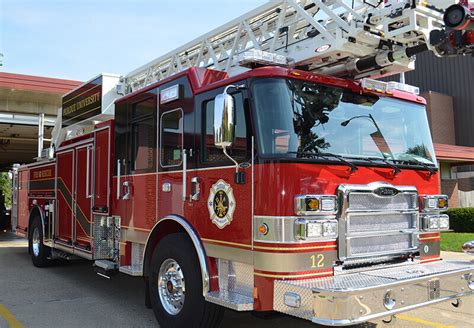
[[403, 87], [388, 87], [259, 57], [371, 85]]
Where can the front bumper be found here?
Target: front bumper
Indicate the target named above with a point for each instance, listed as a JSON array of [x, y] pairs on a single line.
[[353, 298]]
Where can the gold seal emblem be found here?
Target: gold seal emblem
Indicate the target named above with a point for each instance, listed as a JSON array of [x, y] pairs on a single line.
[[221, 204]]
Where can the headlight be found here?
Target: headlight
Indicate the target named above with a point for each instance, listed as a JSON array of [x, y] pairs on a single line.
[[444, 222], [315, 229], [434, 203], [435, 222], [315, 204], [330, 229]]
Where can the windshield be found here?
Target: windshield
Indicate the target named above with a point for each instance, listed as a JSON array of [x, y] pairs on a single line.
[[297, 117]]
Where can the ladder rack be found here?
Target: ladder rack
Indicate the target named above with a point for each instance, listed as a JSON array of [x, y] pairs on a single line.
[[325, 36]]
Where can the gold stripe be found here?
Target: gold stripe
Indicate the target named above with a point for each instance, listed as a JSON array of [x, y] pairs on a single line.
[[65, 186], [226, 243], [429, 238], [230, 253], [44, 179], [267, 247], [133, 228], [308, 275], [429, 259], [294, 248], [9, 317]]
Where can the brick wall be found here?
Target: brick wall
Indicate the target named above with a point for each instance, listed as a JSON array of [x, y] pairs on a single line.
[[441, 117], [450, 188]]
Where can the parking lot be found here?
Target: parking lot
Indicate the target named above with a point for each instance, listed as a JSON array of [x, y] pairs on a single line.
[[70, 294]]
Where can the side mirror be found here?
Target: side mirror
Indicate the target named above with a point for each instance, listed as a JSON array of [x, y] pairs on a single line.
[[468, 247], [224, 121]]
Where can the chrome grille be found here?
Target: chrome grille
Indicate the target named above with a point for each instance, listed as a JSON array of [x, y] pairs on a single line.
[[372, 223], [362, 201], [380, 244], [381, 222]]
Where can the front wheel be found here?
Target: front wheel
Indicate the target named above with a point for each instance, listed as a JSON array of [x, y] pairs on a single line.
[[39, 252], [175, 286]]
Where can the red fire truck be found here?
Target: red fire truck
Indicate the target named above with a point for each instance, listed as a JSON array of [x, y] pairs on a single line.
[[229, 175]]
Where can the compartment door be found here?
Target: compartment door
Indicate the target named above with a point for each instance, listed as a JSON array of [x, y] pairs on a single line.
[[65, 200], [83, 197], [101, 176]]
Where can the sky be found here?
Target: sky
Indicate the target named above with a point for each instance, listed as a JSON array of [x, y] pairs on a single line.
[[79, 39]]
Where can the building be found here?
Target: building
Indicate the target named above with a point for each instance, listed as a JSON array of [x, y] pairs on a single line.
[[22, 99], [447, 84]]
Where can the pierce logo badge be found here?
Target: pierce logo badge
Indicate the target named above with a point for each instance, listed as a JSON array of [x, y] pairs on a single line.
[[386, 191], [221, 204]]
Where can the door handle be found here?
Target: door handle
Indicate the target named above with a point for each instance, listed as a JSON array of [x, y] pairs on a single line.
[[118, 179], [195, 189], [127, 190]]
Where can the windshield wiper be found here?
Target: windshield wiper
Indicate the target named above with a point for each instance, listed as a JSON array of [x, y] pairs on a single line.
[[417, 162], [325, 156], [396, 169]]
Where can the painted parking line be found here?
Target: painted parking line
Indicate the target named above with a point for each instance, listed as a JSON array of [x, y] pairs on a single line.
[[9, 318], [11, 244], [423, 322]]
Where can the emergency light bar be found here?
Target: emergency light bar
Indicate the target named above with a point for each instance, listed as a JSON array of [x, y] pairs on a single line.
[[258, 57], [387, 87]]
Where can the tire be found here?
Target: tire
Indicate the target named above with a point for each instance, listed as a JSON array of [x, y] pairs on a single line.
[[175, 270], [39, 252]]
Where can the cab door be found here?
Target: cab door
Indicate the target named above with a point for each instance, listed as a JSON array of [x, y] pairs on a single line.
[[222, 208], [176, 149]]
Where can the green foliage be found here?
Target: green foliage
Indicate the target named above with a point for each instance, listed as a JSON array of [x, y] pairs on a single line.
[[6, 189], [461, 219], [453, 241]]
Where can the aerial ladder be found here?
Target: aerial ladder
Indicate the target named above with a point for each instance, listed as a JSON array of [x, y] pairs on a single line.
[[349, 38]]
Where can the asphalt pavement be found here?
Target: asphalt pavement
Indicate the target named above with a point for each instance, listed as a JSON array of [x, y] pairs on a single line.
[[70, 294]]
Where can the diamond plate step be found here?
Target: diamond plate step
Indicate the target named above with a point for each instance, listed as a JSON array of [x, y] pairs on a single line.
[[231, 300]]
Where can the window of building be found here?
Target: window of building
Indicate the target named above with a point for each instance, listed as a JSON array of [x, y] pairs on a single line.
[[171, 138], [239, 148], [143, 130]]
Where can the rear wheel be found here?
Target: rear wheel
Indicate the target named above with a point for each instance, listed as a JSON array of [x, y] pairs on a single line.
[[175, 286], [39, 252]]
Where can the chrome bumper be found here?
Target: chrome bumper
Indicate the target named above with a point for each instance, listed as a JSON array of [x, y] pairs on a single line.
[[353, 298]]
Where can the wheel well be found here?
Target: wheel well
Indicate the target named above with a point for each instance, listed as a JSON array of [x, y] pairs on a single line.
[[161, 230], [35, 212], [176, 224]]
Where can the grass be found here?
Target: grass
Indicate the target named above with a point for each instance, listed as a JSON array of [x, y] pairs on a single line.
[[453, 241]]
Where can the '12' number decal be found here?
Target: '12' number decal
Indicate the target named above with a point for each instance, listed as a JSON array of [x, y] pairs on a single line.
[[317, 261]]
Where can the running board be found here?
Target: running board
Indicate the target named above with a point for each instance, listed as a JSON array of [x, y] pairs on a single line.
[[231, 300], [105, 268]]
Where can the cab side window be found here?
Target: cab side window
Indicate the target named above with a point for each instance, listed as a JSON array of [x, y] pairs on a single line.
[[171, 138], [143, 136], [240, 148]]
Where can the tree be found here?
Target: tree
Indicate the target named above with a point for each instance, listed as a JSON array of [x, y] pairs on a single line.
[[6, 188]]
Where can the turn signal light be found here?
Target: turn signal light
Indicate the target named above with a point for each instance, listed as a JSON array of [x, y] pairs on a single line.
[[263, 229], [315, 204], [434, 203]]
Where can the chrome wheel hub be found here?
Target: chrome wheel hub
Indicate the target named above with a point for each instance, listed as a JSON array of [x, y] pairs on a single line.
[[171, 287], [36, 242]]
